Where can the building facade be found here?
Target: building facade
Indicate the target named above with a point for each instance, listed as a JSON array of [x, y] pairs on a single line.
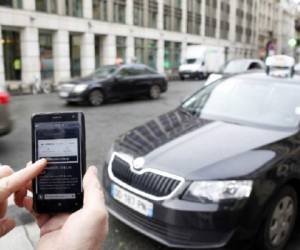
[[60, 39], [276, 26]]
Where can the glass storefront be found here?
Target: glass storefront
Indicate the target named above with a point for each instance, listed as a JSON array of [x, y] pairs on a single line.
[[75, 46], [146, 52], [98, 42], [46, 56], [12, 55], [11, 3], [121, 48], [172, 55]]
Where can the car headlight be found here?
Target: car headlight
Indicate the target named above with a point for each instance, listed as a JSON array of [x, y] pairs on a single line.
[[216, 191], [80, 88]]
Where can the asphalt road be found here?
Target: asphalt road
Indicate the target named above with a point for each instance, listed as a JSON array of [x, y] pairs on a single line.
[[103, 124]]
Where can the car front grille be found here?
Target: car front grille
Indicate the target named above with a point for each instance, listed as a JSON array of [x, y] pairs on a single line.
[[148, 181]]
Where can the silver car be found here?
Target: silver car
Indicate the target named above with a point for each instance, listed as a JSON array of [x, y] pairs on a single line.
[[5, 120]]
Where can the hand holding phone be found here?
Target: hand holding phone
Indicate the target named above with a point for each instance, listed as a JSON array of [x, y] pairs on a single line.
[[59, 138]]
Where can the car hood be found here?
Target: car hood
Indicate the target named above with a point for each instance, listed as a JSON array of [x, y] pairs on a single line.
[[185, 145]]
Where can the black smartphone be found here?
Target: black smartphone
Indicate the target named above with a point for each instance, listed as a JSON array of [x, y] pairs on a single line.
[[59, 138]]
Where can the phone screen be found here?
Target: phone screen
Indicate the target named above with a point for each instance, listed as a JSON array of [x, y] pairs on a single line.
[[60, 143]]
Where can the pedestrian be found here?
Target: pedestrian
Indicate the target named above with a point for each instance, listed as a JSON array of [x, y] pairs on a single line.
[[84, 229]]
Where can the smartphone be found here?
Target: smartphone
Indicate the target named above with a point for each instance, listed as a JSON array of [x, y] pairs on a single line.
[[59, 138]]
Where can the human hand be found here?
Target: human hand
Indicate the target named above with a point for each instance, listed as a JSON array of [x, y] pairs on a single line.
[[10, 183], [85, 229]]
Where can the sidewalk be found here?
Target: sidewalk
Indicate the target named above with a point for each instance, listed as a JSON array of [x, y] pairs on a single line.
[[23, 237]]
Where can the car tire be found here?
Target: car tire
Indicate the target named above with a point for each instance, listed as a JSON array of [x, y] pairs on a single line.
[[280, 221], [182, 78], [96, 97], [154, 92]]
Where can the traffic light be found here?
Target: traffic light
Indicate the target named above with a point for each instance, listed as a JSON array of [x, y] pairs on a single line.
[[292, 42]]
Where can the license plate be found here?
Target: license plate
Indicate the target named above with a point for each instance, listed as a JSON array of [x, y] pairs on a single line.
[[186, 75], [132, 201], [63, 94]]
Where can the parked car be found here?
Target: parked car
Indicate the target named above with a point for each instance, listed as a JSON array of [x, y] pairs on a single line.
[[200, 61], [235, 67], [5, 120], [223, 167], [115, 81]]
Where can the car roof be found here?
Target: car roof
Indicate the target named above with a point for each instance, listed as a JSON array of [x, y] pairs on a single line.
[[248, 60], [259, 75]]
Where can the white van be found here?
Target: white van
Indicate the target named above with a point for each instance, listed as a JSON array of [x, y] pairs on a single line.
[[201, 61]]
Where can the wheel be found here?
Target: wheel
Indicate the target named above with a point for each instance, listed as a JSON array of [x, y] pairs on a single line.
[[96, 97], [279, 224], [154, 92], [182, 78]]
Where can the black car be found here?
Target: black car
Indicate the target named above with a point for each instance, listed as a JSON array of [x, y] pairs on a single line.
[[115, 81], [223, 167]]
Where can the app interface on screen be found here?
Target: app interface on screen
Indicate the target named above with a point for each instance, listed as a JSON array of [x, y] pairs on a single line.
[[59, 143]]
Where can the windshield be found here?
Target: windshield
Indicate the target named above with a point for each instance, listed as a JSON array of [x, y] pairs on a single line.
[[104, 72], [191, 61], [247, 101], [236, 67]]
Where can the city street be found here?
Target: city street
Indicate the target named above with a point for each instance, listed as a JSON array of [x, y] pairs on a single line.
[[103, 124]]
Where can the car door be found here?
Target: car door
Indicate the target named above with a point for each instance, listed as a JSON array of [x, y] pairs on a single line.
[[123, 84], [145, 78]]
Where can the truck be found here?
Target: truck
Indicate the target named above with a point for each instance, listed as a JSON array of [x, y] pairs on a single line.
[[201, 60]]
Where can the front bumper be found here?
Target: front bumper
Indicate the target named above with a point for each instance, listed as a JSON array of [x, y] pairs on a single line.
[[190, 74], [72, 97], [179, 224]]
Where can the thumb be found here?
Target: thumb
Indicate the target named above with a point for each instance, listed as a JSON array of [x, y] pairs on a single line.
[[93, 193], [6, 225]]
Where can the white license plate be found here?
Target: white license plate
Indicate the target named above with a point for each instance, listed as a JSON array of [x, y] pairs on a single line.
[[132, 201], [186, 75], [63, 94]]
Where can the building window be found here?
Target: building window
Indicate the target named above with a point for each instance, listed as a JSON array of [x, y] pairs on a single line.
[[121, 48], [119, 11], [194, 17], [210, 20], [177, 19], [172, 56], [12, 55], [138, 12], [167, 17], [46, 55], [11, 3], [172, 15], [152, 14], [74, 8], [48, 6], [75, 47], [100, 9], [146, 51]]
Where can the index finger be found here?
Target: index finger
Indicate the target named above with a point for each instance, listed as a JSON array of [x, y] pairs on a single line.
[[16, 181]]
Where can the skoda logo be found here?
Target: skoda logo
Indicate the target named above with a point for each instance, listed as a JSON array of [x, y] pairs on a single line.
[[138, 163]]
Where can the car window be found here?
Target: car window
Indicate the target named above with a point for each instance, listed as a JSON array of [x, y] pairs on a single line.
[[126, 72], [254, 66], [248, 101]]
